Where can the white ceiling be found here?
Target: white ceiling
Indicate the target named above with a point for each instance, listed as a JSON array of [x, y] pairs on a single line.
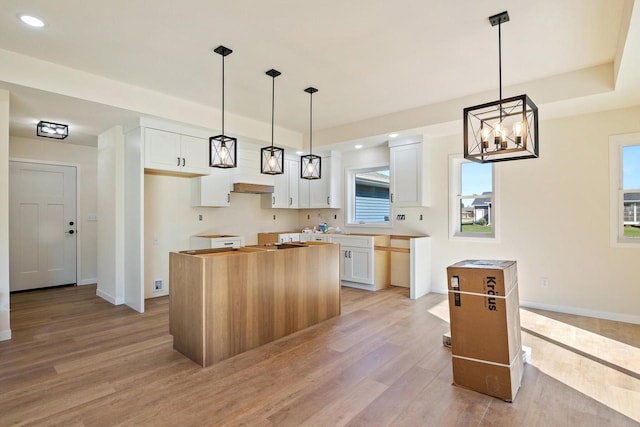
[[368, 58]]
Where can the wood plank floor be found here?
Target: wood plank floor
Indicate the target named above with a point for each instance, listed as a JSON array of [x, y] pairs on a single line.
[[76, 360]]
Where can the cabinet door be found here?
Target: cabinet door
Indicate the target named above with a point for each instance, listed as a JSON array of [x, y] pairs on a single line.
[[406, 175], [212, 190], [303, 193], [291, 171], [195, 155], [357, 265], [280, 196], [319, 189], [162, 150]]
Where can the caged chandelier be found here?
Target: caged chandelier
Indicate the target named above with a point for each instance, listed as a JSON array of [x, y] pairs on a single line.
[[310, 164], [506, 129], [272, 157], [222, 148]]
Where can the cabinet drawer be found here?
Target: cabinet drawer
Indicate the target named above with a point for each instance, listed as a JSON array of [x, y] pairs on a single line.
[[353, 241], [225, 243]]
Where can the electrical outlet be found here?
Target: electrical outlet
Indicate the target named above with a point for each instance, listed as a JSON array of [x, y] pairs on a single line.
[[308, 216], [335, 217], [199, 217], [545, 282], [274, 217], [157, 285], [420, 217]]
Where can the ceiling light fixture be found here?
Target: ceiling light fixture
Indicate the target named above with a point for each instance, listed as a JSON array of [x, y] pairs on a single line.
[[357, 146], [310, 164], [222, 148], [511, 123], [52, 130], [31, 21], [393, 135], [272, 158]]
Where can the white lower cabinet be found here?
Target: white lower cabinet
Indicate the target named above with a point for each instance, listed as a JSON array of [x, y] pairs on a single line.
[[312, 237], [215, 241], [357, 264], [361, 266]]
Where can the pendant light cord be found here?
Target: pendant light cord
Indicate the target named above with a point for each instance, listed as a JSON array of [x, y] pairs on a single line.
[[273, 106], [500, 65], [311, 123], [222, 94]]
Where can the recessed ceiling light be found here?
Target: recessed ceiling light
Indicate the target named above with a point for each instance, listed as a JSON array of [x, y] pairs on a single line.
[[393, 135], [358, 146], [32, 21], [299, 153]]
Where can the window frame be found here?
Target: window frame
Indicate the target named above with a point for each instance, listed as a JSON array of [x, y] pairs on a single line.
[[616, 190], [350, 195], [455, 179]]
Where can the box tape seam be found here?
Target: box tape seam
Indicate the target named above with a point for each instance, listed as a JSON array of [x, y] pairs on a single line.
[[515, 358], [484, 295]]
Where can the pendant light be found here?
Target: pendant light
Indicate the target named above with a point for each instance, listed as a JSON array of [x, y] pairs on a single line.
[[310, 164], [222, 148], [506, 129], [272, 158]]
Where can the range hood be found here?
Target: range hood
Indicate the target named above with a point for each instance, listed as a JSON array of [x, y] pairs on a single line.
[[240, 187]]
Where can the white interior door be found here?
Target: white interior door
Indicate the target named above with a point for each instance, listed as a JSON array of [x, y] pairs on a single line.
[[42, 225]]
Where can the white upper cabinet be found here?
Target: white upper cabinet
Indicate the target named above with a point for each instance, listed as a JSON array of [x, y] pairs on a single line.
[[213, 190], [285, 186], [325, 192], [173, 152], [409, 185]]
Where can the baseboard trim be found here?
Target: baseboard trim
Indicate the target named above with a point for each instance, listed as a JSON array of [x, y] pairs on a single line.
[[87, 282], [5, 335], [606, 315], [107, 297]]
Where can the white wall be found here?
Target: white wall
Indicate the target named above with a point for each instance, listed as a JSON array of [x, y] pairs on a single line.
[[5, 329], [554, 218], [170, 220], [84, 159], [110, 164]]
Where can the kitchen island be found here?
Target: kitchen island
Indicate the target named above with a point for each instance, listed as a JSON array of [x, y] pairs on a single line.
[[227, 301]]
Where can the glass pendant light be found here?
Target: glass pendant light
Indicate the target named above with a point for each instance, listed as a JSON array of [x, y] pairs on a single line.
[[272, 158], [222, 148], [310, 164]]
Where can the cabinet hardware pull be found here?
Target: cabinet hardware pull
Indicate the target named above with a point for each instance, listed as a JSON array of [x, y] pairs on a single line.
[[328, 200], [183, 161], [273, 200], [290, 201], [391, 197], [228, 197], [228, 243], [178, 162]]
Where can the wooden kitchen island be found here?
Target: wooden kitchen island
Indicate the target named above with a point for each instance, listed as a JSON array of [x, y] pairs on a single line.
[[227, 301]]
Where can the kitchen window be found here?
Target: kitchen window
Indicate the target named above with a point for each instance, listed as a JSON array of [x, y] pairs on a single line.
[[473, 208], [624, 158], [368, 196]]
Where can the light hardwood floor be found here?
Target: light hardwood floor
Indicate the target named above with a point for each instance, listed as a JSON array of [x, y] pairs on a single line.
[[77, 360]]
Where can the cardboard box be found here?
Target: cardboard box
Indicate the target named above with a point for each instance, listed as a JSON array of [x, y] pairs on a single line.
[[495, 380], [484, 309]]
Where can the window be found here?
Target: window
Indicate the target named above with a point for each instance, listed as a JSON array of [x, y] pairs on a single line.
[[473, 205], [369, 196], [625, 189]]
